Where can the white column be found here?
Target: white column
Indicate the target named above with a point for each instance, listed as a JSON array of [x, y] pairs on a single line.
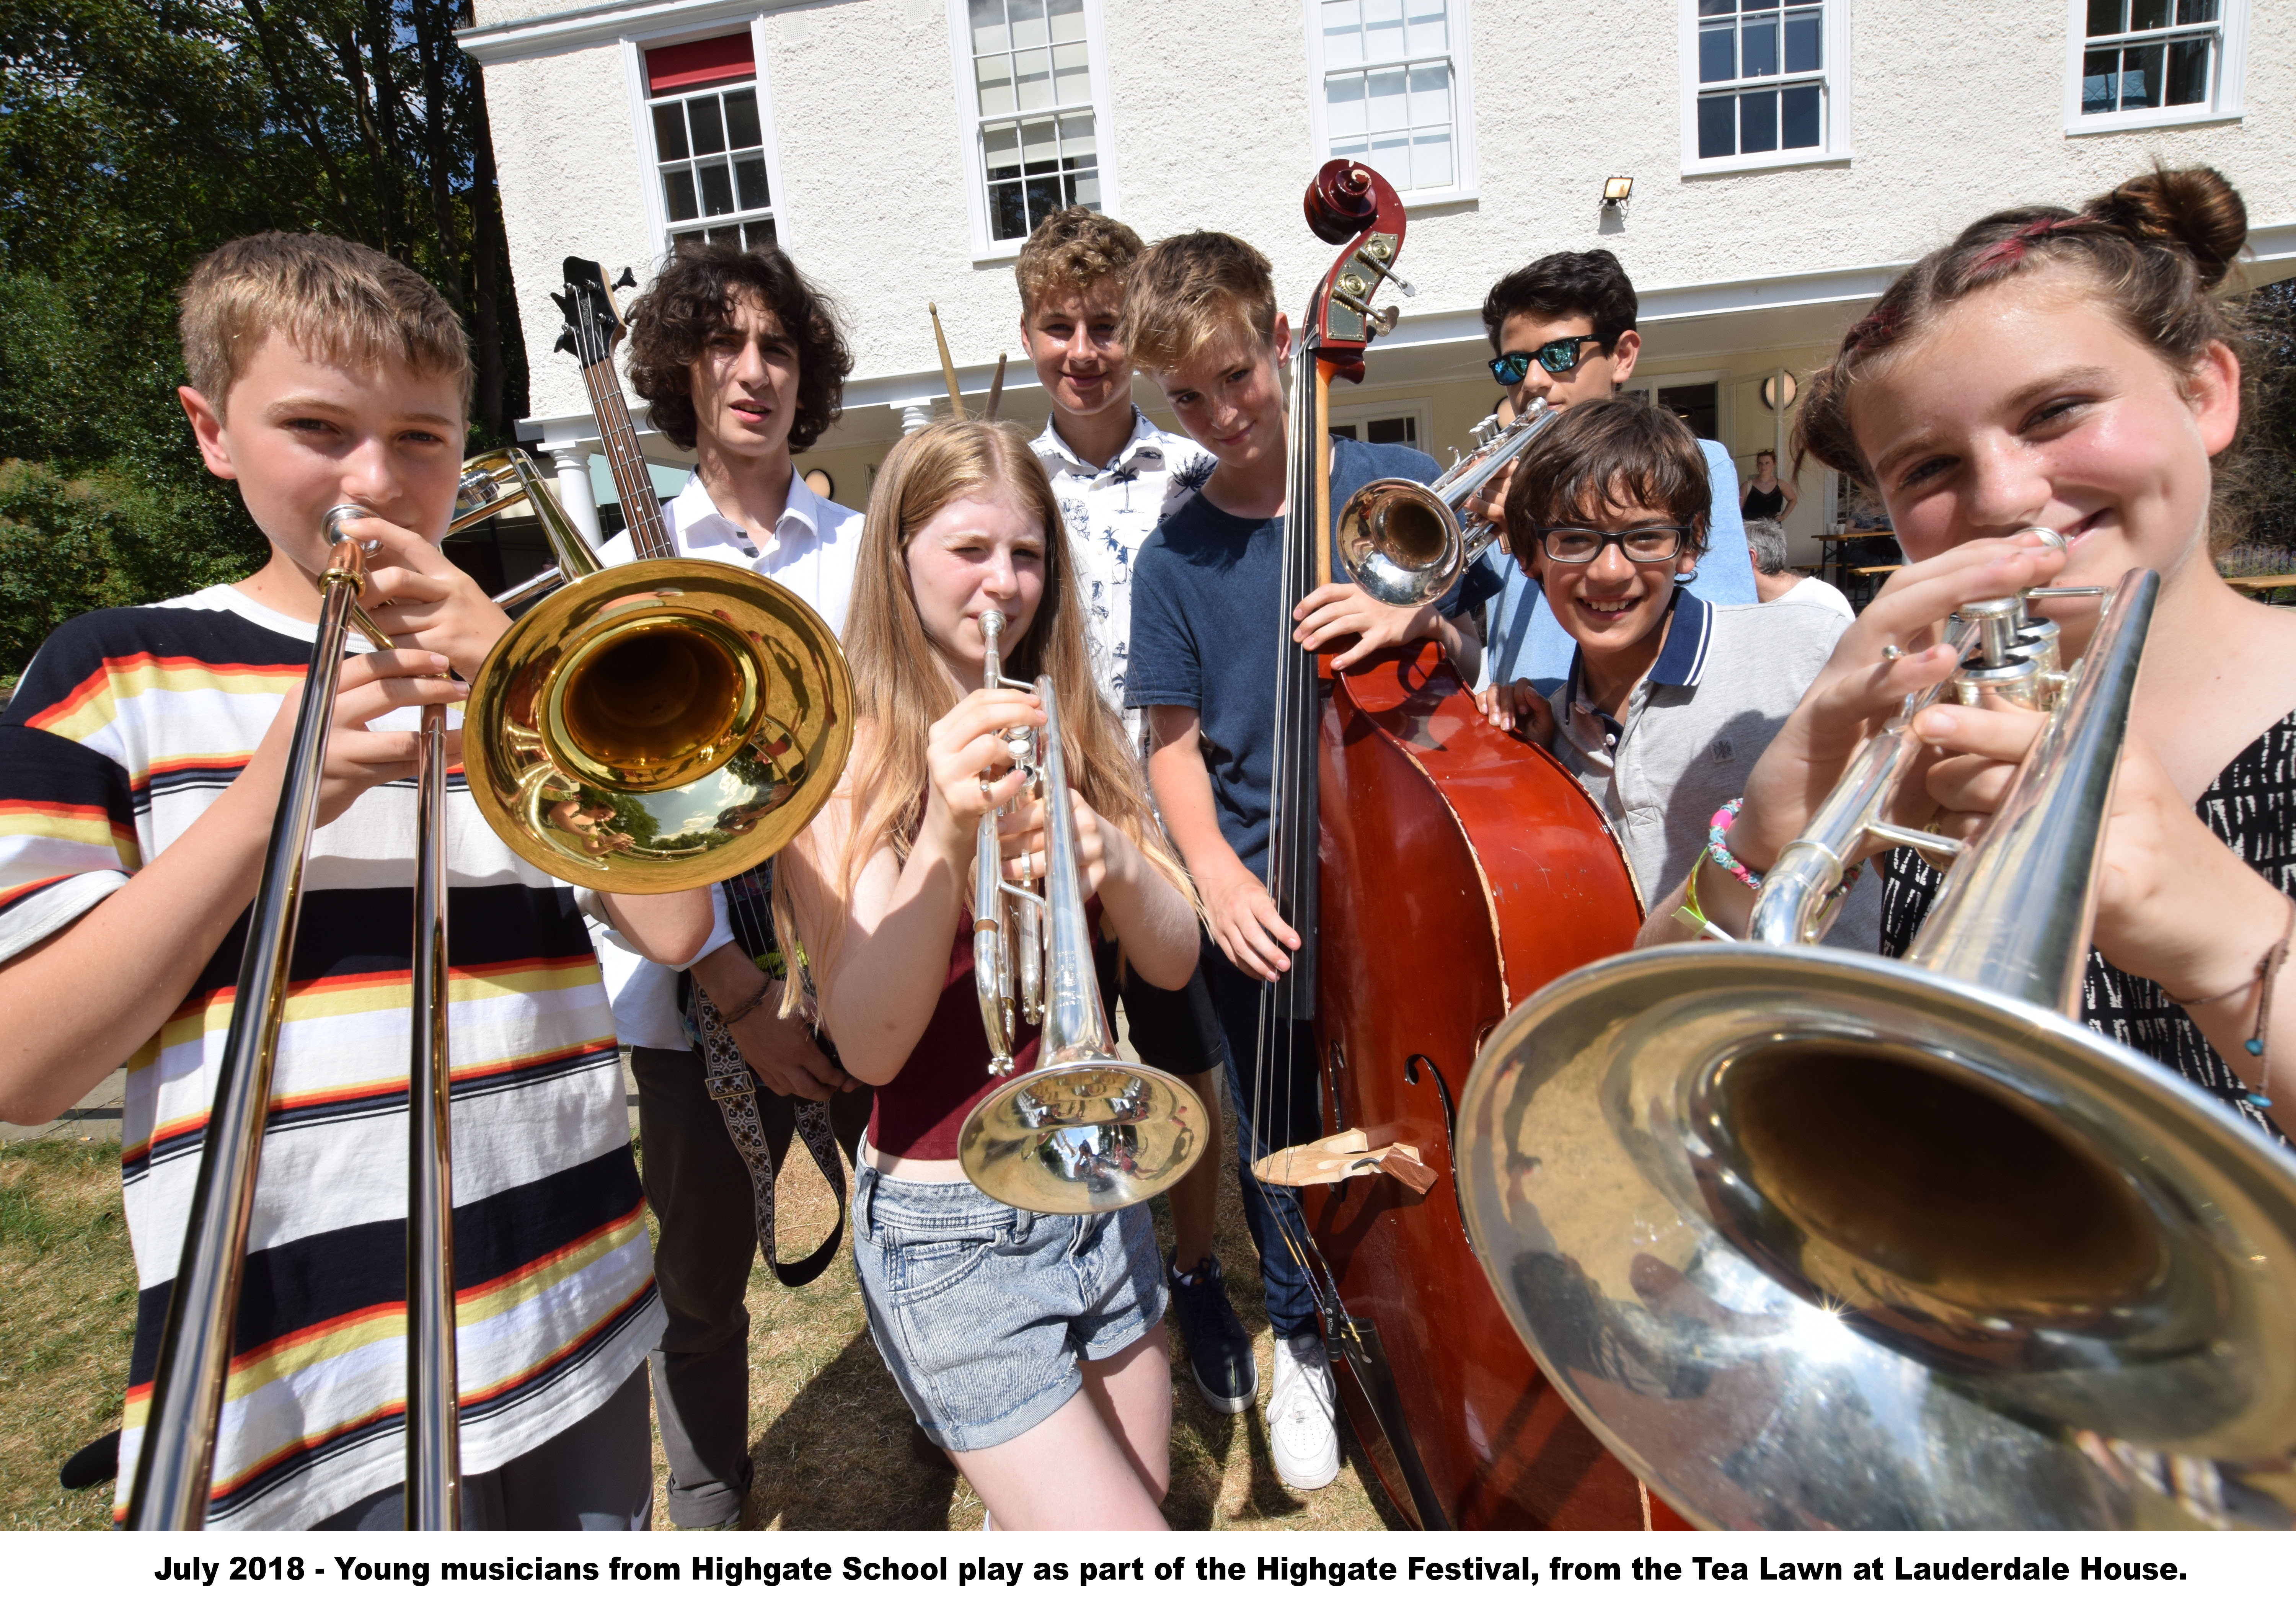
[[574, 495]]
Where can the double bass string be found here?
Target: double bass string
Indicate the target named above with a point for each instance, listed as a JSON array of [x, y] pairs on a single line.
[[1295, 677]]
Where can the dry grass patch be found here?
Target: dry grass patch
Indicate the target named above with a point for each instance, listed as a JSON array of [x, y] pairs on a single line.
[[66, 1319]]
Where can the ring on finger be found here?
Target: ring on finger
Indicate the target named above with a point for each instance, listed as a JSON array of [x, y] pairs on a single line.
[[1890, 653], [987, 791]]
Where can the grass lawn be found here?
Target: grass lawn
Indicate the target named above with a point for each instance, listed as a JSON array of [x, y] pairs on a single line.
[[831, 1433], [66, 1314]]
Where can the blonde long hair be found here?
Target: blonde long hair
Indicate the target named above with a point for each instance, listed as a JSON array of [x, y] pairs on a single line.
[[901, 686]]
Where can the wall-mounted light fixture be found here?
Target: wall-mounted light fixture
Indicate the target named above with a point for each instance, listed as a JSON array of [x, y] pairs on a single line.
[[1772, 398], [1616, 193]]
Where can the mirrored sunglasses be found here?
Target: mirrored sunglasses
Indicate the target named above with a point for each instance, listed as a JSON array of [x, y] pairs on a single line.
[[1556, 356]]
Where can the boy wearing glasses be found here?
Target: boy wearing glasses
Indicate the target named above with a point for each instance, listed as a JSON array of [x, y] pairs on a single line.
[[1562, 331], [1666, 701]]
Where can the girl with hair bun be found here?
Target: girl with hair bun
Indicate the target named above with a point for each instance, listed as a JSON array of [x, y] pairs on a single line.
[[2071, 370], [1030, 1348]]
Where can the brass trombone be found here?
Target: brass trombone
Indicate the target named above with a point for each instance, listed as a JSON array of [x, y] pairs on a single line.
[[1084, 1130], [648, 728], [1809, 1237], [1402, 541]]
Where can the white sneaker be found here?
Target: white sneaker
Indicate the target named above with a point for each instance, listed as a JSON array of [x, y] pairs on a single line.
[[1300, 1428]]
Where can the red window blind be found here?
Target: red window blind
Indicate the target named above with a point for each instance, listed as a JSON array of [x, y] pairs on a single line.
[[677, 67]]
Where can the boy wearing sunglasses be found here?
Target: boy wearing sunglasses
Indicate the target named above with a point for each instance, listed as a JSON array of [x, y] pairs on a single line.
[[1562, 331], [1666, 701]]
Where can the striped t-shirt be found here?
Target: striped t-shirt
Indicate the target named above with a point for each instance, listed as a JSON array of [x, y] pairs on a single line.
[[127, 725]]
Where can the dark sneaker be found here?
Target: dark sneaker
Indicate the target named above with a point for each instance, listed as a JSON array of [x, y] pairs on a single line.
[[1219, 1353]]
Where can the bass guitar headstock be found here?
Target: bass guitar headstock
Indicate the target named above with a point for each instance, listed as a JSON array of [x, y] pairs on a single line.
[[1351, 205], [592, 324]]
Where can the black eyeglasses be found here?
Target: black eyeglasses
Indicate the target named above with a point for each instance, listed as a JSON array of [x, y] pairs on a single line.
[[1557, 356], [1644, 546]]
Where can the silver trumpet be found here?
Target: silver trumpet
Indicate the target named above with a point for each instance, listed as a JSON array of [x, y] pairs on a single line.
[[1812, 1238], [1402, 541], [1084, 1130], [1008, 958]]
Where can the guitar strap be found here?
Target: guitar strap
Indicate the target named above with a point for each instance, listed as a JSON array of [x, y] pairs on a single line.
[[735, 1089]]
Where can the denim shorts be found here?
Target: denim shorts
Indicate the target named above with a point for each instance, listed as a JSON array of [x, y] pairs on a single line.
[[982, 1311]]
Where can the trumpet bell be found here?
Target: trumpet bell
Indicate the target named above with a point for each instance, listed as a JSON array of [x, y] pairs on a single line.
[[1817, 1239], [1401, 542], [1093, 1133], [658, 727]]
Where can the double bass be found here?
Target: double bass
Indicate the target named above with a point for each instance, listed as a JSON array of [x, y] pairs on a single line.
[[1441, 872]]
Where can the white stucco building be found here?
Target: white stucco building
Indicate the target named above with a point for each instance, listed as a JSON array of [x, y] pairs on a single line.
[[1787, 156]]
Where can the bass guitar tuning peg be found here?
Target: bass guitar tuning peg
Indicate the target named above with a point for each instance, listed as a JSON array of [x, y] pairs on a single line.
[[629, 280], [565, 342]]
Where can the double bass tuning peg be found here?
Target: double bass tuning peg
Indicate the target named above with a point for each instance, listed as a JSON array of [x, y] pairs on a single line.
[[629, 280]]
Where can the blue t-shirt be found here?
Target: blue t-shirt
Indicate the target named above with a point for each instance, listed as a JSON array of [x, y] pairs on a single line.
[[1526, 641], [1207, 624]]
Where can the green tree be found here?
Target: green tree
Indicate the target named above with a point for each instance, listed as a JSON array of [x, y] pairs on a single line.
[[134, 137], [2266, 483]]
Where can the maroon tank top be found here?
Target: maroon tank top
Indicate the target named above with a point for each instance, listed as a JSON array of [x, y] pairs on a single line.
[[921, 1112]]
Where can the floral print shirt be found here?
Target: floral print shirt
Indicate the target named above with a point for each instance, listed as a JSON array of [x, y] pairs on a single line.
[[1110, 510]]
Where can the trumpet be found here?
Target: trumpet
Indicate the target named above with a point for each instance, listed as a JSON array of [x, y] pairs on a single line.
[[1402, 541], [1008, 961], [1810, 1237], [655, 728], [1084, 1130]]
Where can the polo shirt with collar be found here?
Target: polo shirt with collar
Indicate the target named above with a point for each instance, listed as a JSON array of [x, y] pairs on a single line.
[[1110, 510], [814, 550], [1725, 681]]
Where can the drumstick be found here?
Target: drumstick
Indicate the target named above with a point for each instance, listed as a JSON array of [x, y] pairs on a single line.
[[948, 367], [995, 389]]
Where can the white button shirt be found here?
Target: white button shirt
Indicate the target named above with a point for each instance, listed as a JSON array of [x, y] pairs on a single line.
[[1110, 512], [813, 552]]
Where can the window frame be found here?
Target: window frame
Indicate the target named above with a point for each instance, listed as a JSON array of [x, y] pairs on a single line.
[[2225, 105], [1464, 187], [1833, 70], [641, 100], [1420, 410], [987, 250]]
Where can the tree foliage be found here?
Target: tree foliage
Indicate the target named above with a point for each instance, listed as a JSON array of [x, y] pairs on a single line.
[[2266, 481], [134, 137]]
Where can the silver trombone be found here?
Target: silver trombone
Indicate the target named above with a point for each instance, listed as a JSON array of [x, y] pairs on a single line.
[[1809, 1237], [1084, 1130], [174, 1471], [1402, 541]]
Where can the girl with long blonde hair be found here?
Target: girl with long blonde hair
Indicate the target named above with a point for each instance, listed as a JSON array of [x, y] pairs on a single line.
[[1032, 1347]]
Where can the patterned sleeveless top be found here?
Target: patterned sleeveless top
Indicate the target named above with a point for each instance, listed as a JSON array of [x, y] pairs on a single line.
[[2251, 807]]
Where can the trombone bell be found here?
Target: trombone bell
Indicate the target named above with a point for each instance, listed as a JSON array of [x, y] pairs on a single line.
[[658, 727], [649, 727]]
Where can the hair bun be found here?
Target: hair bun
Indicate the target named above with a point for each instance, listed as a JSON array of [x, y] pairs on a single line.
[[2191, 207]]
